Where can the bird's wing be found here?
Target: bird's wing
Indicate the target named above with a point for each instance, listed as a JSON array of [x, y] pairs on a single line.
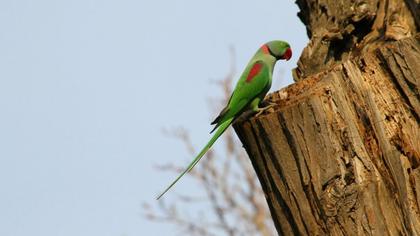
[[253, 83]]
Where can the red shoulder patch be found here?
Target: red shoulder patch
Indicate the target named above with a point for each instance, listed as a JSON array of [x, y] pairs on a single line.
[[256, 68]]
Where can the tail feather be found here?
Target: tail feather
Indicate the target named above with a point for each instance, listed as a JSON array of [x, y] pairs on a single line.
[[223, 126]]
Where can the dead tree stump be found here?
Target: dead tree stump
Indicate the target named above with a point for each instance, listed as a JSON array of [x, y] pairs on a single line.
[[340, 153]]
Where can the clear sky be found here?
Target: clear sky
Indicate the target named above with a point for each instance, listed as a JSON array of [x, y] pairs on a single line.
[[86, 87]]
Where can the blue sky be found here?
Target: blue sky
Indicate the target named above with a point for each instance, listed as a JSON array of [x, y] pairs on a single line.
[[86, 88]]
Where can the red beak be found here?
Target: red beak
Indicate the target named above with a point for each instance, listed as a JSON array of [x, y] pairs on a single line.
[[288, 54]]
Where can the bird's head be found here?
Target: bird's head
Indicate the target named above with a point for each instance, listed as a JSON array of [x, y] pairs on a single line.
[[279, 49]]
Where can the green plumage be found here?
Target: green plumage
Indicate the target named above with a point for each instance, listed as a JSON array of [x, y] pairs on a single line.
[[250, 90]]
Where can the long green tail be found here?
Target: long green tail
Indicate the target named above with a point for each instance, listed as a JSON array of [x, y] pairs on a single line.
[[219, 132]]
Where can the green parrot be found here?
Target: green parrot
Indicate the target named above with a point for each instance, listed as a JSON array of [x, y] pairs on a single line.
[[250, 90]]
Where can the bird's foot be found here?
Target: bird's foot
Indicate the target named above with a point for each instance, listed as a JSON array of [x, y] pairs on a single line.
[[251, 113], [263, 109], [268, 107], [267, 103]]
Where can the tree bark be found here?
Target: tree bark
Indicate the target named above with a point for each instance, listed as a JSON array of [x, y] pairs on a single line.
[[340, 152]]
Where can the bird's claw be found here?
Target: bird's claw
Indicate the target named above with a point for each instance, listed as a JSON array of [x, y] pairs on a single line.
[[250, 113], [266, 103], [266, 108]]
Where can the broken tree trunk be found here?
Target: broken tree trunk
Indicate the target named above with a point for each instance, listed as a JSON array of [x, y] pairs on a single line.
[[340, 153]]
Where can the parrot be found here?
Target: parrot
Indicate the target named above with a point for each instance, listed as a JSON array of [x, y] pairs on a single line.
[[249, 91]]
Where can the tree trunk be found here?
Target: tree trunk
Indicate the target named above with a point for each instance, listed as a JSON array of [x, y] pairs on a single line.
[[340, 152]]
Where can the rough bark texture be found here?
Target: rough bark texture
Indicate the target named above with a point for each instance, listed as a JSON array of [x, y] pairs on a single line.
[[340, 153]]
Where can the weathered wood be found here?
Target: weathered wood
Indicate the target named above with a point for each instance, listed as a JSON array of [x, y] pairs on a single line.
[[340, 153], [342, 29]]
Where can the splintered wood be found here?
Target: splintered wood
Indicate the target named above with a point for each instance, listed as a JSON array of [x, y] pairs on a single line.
[[340, 153]]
